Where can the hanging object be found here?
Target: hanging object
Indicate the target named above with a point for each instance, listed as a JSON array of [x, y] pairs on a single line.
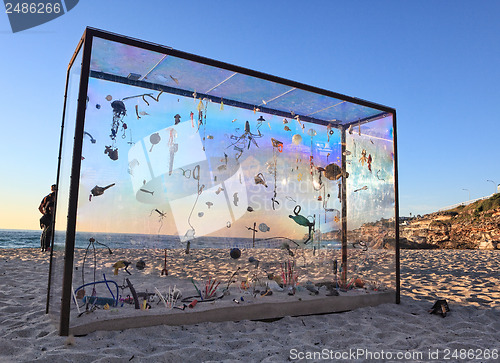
[[112, 152], [296, 139], [154, 139], [302, 221], [97, 190], [264, 227], [259, 179], [363, 159], [242, 140], [334, 172], [119, 112], [177, 119], [173, 148], [260, 121], [277, 144], [92, 140]]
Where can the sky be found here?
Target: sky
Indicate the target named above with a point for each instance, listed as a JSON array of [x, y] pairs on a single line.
[[435, 62]]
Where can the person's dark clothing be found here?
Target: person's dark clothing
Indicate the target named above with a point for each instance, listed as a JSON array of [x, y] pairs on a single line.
[[46, 207]]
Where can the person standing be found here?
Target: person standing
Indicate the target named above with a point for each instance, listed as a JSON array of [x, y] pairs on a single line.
[[46, 207]]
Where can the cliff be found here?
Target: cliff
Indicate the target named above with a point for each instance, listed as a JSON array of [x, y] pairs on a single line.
[[474, 226]]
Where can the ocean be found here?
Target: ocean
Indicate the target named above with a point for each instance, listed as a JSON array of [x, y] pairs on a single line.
[[14, 238]]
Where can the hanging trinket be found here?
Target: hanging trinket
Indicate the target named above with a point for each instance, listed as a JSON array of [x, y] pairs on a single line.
[[259, 179]]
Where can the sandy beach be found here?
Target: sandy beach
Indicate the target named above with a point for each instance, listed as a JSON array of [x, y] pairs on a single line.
[[468, 280]]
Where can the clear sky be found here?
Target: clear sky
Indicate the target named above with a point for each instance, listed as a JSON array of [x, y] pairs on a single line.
[[435, 62]]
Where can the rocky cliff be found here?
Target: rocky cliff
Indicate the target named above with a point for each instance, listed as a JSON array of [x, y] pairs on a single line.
[[474, 226]]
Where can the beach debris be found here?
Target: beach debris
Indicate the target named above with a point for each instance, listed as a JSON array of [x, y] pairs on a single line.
[[235, 253], [358, 282], [210, 288], [121, 264], [170, 300], [313, 290], [254, 261], [286, 247], [362, 245], [165, 271], [264, 227], [440, 307], [140, 265], [289, 275], [271, 284], [97, 190]]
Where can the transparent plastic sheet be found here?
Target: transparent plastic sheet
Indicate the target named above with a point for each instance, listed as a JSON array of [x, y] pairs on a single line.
[[208, 186]]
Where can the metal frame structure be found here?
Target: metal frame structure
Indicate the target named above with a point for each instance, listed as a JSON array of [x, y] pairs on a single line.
[[85, 46]]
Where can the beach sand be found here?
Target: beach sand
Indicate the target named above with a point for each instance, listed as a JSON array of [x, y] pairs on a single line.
[[468, 280]]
